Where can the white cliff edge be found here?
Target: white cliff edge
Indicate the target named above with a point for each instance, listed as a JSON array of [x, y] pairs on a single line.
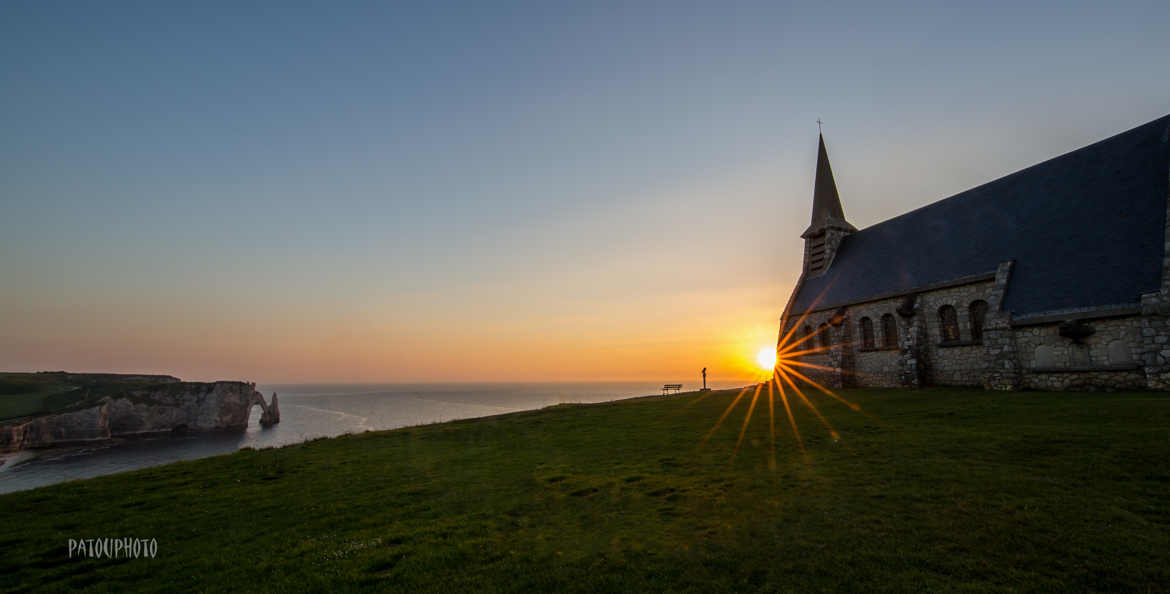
[[167, 408]]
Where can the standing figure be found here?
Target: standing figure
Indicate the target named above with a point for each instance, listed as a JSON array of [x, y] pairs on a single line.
[[704, 378]]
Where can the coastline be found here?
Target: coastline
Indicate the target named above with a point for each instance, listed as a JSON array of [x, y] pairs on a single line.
[[317, 415]]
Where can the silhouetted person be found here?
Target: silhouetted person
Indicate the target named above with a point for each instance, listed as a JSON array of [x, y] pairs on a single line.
[[704, 378]]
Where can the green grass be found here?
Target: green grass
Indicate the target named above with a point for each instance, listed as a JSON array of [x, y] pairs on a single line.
[[24, 394], [31, 394], [927, 490]]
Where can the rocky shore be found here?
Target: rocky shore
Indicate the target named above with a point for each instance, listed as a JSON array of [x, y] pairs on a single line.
[[173, 407]]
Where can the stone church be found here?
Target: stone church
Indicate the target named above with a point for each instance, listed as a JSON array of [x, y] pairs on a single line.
[[1055, 277]]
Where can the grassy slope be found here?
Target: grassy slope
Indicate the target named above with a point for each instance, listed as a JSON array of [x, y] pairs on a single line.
[[23, 394], [934, 489], [30, 394]]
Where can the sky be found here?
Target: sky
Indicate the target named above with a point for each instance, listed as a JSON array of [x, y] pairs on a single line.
[[497, 191]]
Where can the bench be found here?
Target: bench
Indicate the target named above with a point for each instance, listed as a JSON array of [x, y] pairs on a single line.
[[668, 387]]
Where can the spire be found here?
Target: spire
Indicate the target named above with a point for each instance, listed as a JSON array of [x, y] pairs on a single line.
[[826, 201], [826, 209]]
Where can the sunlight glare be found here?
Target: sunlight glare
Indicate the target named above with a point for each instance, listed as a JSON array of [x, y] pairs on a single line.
[[781, 366], [766, 359]]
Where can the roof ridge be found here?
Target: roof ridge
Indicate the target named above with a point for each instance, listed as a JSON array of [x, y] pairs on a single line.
[[1164, 138]]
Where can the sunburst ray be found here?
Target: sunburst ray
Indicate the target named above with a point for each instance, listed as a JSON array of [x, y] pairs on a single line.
[[724, 415], [771, 428], [812, 351], [791, 419], [746, 419], [787, 362], [831, 393], [784, 376], [802, 339], [784, 320], [701, 397], [812, 407]]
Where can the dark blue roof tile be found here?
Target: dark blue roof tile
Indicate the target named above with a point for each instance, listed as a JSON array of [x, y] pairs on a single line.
[[1084, 229]]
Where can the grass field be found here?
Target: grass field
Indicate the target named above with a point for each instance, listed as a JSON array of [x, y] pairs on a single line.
[[23, 394], [925, 490], [30, 394]]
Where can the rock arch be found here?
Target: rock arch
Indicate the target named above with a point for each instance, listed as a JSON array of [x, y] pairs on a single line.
[[269, 411]]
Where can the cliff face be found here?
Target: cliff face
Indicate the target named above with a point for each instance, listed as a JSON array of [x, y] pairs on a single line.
[[186, 406], [79, 426], [161, 408]]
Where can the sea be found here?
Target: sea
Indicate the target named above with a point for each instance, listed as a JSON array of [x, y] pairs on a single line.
[[309, 411]]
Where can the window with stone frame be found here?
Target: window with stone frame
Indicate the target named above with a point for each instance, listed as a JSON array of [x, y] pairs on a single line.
[[823, 329], [948, 323], [806, 333], [889, 331], [978, 313], [866, 333]]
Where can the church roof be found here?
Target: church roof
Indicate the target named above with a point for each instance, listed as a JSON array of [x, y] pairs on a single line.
[[1084, 229], [826, 202]]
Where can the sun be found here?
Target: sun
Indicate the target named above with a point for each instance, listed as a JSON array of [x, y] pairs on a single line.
[[766, 359], [782, 367]]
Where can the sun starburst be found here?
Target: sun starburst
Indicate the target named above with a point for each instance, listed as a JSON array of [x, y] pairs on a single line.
[[782, 376]]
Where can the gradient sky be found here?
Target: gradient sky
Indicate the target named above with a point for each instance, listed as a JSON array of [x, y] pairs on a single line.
[[495, 190]]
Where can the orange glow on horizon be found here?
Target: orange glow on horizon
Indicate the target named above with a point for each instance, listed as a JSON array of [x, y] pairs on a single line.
[[665, 337]]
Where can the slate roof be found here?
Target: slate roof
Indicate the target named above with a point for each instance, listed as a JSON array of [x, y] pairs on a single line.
[[1084, 229]]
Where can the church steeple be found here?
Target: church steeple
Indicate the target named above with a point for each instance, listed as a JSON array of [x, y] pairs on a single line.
[[828, 226], [826, 202]]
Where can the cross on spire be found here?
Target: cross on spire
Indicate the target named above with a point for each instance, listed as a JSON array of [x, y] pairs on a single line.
[[819, 125]]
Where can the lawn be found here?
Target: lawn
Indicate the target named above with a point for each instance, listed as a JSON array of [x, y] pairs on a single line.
[[933, 490]]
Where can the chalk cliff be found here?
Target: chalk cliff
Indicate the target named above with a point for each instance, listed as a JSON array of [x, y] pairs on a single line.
[[78, 426], [161, 408]]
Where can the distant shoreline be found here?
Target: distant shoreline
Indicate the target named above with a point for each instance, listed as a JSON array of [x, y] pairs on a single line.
[[313, 414]]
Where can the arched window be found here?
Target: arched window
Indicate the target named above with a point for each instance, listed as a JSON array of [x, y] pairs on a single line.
[[978, 312], [824, 330], [866, 333], [889, 332], [948, 323], [807, 332]]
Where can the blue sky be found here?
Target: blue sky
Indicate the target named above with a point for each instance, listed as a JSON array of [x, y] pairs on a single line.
[[385, 191]]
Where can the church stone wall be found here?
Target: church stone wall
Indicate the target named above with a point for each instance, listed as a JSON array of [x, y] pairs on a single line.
[[823, 358], [1109, 359], [1155, 337], [957, 366], [1114, 342], [1118, 355], [919, 357], [1155, 321], [877, 367], [832, 358], [961, 363]]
